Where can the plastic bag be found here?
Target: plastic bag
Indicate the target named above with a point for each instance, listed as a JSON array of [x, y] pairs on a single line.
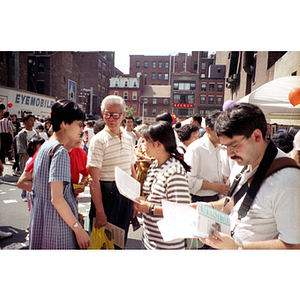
[[99, 240]]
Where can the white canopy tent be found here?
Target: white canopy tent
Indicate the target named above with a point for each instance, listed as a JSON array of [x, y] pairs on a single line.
[[273, 99]]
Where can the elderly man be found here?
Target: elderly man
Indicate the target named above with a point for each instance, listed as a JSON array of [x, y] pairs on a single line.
[[110, 148], [265, 215]]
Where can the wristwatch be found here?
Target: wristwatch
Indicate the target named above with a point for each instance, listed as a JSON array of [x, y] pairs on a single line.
[[75, 225]]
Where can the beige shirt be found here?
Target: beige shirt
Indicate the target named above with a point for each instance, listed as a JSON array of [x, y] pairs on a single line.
[[107, 151]]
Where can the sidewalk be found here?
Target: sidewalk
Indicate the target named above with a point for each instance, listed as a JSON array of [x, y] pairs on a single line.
[[19, 211]]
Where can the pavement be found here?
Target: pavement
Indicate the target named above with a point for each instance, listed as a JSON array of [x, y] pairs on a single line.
[[14, 214]]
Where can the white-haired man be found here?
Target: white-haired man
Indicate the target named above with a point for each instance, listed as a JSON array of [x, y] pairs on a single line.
[[110, 148]]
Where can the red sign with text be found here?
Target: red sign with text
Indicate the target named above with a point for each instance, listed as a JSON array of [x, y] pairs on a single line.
[[183, 105]]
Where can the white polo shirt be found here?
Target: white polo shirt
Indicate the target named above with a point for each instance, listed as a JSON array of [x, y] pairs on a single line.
[[107, 151]]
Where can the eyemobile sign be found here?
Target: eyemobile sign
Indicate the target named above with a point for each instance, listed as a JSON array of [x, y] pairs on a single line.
[[20, 101]]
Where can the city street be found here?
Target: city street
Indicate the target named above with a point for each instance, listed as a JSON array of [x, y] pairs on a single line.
[[14, 214]]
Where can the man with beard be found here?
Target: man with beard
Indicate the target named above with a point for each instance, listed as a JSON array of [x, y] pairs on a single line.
[[271, 218]]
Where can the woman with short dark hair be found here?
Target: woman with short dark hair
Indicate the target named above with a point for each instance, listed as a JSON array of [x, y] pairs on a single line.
[[54, 215]]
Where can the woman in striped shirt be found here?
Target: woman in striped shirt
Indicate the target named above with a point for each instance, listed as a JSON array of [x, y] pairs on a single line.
[[166, 179]]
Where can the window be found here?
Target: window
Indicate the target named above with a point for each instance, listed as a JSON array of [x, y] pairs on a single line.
[[159, 76], [134, 108], [153, 76], [117, 83], [166, 64], [183, 112], [191, 99], [126, 83], [176, 64], [195, 65], [145, 64], [211, 87], [116, 93], [137, 64], [145, 100], [203, 65], [220, 88], [166, 76], [154, 101], [203, 87], [202, 75], [134, 95], [176, 98], [166, 101], [41, 67], [40, 87], [202, 99], [175, 86], [160, 64], [153, 112], [154, 64], [183, 65], [125, 95], [193, 86], [219, 100], [210, 100], [145, 112]]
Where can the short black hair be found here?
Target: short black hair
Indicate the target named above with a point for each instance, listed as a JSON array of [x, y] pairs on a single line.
[[211, 118], [184, 133], [284, 141], [241, 119], [129, 118], [197, 118], [164, 117], [26, 117], [67, 111], [31, 149], [2, 106]]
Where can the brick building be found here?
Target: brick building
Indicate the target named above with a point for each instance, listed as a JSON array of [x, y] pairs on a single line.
[[196, 84], [96, 69], [13, 69], [155, 99], [129, 88], [157, 70]]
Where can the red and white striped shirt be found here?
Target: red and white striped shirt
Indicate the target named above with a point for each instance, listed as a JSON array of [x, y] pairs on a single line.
[[6, 126]]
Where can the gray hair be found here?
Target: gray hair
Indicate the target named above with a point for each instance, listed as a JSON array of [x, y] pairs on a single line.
[[112, 99]]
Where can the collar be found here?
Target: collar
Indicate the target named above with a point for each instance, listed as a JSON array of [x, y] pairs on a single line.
[[112, 134]]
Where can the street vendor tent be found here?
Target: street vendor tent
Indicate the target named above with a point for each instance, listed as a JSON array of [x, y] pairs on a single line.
[[273, 99]]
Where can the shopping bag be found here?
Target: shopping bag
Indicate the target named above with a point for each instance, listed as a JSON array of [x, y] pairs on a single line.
[[99, 240]]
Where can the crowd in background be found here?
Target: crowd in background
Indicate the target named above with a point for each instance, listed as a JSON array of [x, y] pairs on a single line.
[[161, 156]]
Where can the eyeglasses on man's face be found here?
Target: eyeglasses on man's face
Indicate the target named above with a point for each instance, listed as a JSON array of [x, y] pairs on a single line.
[[232, 148], [107, 115]]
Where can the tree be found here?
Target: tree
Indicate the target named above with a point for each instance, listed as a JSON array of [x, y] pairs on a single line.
[[129, 111]]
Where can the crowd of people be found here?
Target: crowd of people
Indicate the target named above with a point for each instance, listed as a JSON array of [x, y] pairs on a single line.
[[185, 163]]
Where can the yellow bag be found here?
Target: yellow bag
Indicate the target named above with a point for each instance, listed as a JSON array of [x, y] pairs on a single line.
[[99, 240]]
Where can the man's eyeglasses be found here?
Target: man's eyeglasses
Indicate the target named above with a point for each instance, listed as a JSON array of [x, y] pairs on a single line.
[[107, 115], [232, 148]]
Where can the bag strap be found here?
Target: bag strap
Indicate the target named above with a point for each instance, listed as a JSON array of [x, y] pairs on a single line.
[[52, 151], [258, 178]]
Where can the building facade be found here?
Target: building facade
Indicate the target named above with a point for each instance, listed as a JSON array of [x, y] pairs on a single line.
[[248, 70], [157, 70], [129, 88]]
